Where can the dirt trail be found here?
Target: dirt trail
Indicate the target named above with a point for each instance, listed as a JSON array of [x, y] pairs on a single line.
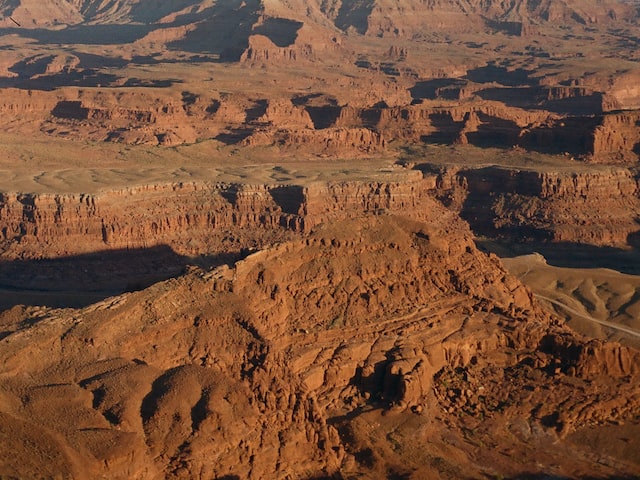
[[615, 326]]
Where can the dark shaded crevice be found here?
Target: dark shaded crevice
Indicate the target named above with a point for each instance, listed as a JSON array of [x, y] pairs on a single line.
[[494, 132], [355, 14], [199, 411], [81, 280], [281, 31], [432, 89], [78, 78], [141, 12], [224, 32], [71, 110], [107, 34], [324, 117], [234, 136], [159, 388], [447, 130], [257, 110], [502, 76], [568, 254], [289, 198]]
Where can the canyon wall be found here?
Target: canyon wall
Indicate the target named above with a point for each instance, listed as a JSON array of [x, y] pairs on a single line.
[[321, 126], [599, 207], [193, 218], [183, 215], [618, 136], [595, 207]]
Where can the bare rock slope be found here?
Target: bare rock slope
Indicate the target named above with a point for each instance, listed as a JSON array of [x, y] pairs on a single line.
[[425, 72], [310, 329], [272, 368], [375, 17], [596, 207]]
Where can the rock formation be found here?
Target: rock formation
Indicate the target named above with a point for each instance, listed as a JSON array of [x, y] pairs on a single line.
[[176, 119], [339, 324], [592, 208], [250, 370], [56, 225], [595, 208], [544, 96]]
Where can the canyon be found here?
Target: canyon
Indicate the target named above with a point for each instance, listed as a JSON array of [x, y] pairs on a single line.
[[300, 239], [433, 324], [276, 361], [321, 126], [597, 207], [396, 85]]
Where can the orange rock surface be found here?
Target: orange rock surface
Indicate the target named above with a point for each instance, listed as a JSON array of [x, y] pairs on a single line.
[[248, 239], [251, 370]]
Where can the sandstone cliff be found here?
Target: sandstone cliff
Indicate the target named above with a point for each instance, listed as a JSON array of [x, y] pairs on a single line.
[[595, 208], [182, 215], [192, 218], [617, 137], [273, 367], [322, 126]]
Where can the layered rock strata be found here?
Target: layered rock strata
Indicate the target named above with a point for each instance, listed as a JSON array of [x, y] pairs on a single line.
[[265, 369], [193, 218], [593, 207], [323, 127], [597, 207]]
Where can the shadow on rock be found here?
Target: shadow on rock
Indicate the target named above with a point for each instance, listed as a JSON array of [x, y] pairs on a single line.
[[81, 280]]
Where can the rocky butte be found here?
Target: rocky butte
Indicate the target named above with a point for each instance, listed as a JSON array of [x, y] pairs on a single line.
[[294, 239]]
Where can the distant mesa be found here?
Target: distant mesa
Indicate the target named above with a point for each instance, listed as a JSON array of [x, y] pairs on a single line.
[[250, 238], [371, 17]]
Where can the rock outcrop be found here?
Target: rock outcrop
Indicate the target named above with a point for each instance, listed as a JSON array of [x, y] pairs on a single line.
[[266, 369], [163, 119], [544, 95], [194, 217], [404, 19], [182, 215], [261, 49], [598, 207], [617, 137]]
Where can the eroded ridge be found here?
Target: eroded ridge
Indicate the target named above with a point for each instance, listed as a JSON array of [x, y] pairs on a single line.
[[273, 367]]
